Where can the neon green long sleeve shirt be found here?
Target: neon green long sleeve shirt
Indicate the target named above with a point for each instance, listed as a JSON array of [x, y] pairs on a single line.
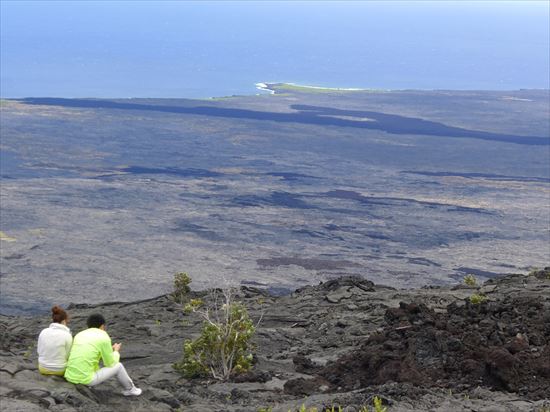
[[89, 346]]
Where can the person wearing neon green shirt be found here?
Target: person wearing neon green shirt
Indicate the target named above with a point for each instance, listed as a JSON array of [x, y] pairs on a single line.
[[89, 347]]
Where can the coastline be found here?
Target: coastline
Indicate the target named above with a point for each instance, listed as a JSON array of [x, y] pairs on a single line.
[[272, 87], [278, 87], [307, 86], [264, 87]]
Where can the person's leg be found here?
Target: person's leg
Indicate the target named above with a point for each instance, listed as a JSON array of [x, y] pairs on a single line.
[[107, 373]]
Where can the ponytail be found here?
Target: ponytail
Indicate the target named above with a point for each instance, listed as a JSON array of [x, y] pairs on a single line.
[[58, 314]]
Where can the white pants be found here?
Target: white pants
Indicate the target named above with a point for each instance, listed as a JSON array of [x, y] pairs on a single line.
[[107, 373]]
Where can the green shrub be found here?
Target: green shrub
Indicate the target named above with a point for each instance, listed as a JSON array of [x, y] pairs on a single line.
[[223, 347], [30, 349], [181, 286], [377, 402], [304, 408], [378, 406], [192, 305], [476, 299], [470, 280]]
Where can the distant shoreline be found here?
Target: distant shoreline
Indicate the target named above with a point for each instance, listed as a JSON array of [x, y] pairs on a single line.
[[274, 87], [280, 87], [269, 87], [264, 87]]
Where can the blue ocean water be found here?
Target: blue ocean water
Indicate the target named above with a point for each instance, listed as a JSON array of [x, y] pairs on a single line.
[[202, 49]]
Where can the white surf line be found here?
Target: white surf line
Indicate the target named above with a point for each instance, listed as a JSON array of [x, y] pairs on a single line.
[[263, 87], [347, 89]]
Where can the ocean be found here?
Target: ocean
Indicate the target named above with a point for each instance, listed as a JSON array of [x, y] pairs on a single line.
[[205, 49]]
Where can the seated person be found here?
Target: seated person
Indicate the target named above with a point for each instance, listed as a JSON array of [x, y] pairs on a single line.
[[54, 344], [91, 345]]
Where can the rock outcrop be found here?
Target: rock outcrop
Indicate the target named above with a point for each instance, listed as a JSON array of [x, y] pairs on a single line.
[[339, 343]]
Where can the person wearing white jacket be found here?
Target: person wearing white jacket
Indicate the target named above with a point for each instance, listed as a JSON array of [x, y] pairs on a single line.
[[54, 344]]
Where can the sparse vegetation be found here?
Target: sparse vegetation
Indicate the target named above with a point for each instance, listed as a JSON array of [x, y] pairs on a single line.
[[533, 271], [318, 89], [540, 273], [470, 280], [29, 351], [476, 299], [192, 305], [181, 286], [377, 404], [303, 408], [223, 347]]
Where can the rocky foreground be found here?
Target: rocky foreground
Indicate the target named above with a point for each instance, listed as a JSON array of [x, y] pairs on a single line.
[[339, 343]]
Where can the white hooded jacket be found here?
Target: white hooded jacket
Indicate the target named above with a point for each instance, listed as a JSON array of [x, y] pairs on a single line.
[[54, 345]]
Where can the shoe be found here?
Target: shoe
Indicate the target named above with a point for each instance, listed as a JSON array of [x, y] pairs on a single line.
[[132, 392]]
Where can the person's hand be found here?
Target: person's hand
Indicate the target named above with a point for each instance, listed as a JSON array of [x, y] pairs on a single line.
[[116, 347]]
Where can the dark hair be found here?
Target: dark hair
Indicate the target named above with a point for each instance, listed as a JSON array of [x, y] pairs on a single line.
[[95, 320], [58, 314]]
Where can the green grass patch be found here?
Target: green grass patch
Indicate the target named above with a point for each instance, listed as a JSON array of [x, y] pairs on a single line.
[[476, 299], [291, 87]]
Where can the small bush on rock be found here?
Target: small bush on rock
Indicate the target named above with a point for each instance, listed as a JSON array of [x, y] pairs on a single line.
[[540, 273], [223, 348], [192, 305], [470, 280], [304, 408], [476, 299], [378, 405], [181, 286]]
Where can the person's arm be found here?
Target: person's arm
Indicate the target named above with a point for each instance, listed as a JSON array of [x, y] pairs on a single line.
[[108, 355]]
